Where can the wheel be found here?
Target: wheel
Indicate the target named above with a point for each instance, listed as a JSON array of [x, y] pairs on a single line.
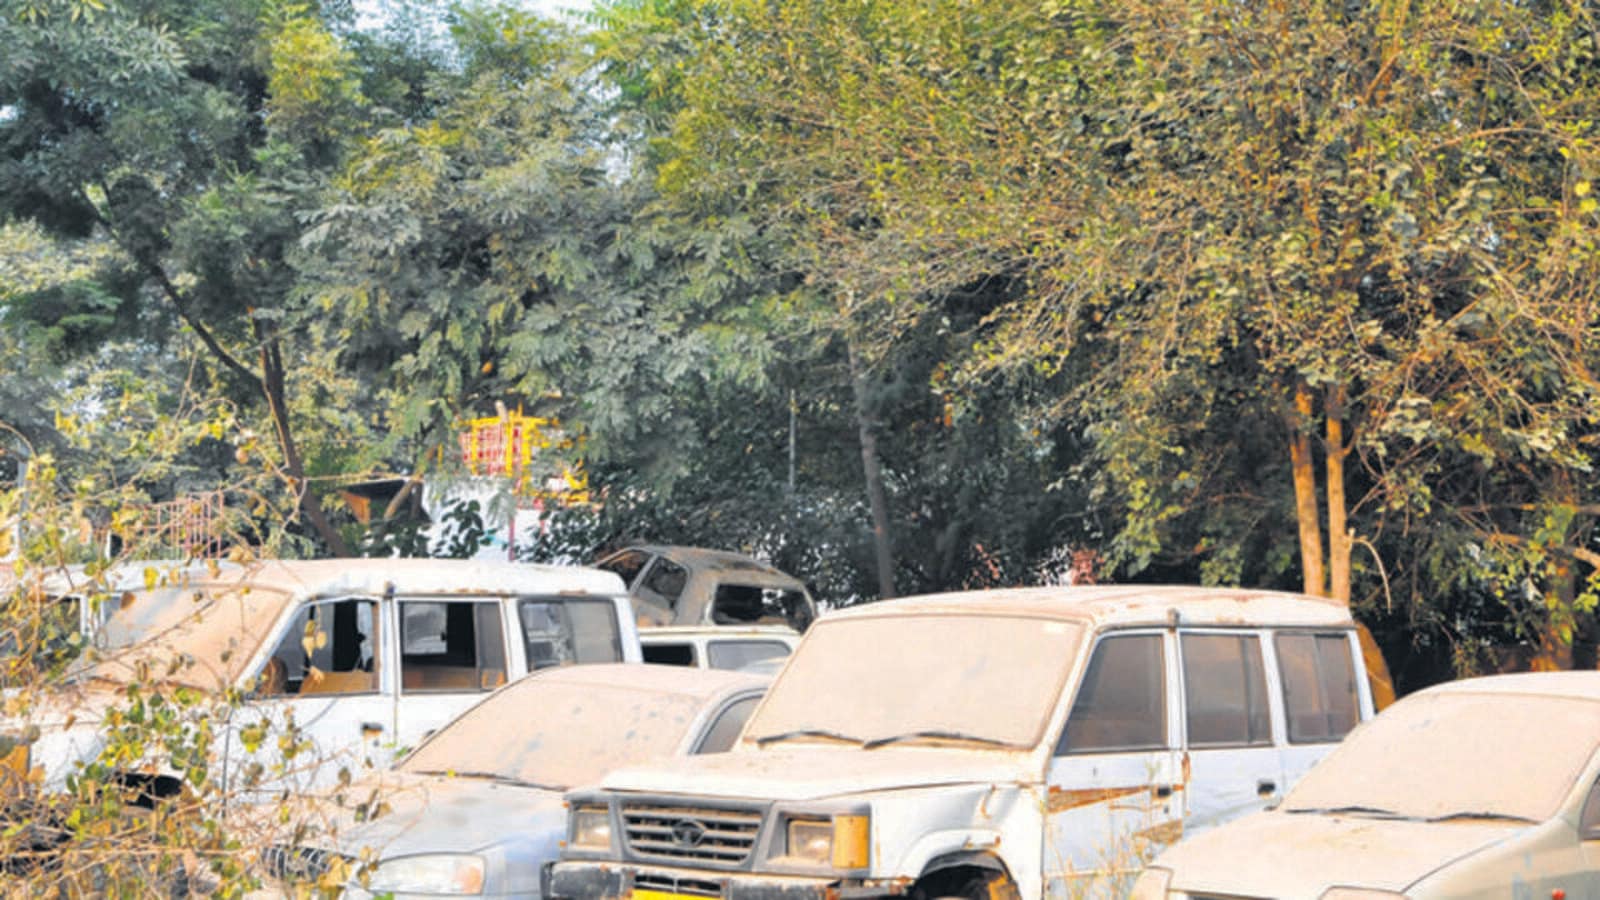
[[966, 883]]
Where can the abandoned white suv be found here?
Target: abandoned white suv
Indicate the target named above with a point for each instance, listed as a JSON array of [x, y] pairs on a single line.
[[1031, 742], [365, 656]]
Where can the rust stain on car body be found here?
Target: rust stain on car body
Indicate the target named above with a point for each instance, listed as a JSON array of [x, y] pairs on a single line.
[[1061, 799]]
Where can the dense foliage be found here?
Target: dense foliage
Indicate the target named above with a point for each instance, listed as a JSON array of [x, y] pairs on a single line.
[[903, 296]]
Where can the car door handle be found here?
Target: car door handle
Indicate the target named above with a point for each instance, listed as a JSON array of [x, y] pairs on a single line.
[[1163, 791], [1266, 787]]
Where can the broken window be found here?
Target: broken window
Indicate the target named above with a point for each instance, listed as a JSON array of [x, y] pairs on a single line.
[[1319, 686], [558, 632], [1122, 702], [451, 646], [626, 564], [748, 604], [330, 648], [1225, 691], [665, 582], [738, 654], [669, 654]]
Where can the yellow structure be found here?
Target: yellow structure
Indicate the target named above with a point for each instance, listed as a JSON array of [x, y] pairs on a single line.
[[506, 446]]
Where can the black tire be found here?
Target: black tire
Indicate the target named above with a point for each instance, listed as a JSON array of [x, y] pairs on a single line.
[[967, 884]]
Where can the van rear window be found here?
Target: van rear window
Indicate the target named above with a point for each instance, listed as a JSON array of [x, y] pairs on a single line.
[[1319, 686]]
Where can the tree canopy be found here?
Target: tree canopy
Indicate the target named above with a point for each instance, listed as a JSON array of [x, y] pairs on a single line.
[[904, 296]]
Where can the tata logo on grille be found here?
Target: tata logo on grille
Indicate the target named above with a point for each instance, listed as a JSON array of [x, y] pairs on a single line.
[[688, 833]]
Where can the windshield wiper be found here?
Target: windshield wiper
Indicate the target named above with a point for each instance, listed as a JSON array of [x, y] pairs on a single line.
[[766, 739], [1484, 815], [1375, 812], [937, 733]]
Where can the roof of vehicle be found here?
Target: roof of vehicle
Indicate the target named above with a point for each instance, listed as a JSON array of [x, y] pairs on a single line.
[[684, 680], [428, 576], [707, 558], [1570, 685], [236, 608], [1123, 605], [718, 632]]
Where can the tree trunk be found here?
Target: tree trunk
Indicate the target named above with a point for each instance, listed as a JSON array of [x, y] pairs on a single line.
[[865, 425], [1303, 466], [1339, 542], [272, 383], [1332, 580]]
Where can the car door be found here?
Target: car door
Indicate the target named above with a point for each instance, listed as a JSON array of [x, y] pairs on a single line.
[[452, 651], [1232, 761], [1113, 781], [324, 688]]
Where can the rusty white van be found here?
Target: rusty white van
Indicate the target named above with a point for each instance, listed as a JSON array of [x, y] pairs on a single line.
[[1013, 743], [359, 658]]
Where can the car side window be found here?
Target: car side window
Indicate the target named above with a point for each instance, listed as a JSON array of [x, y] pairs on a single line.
[[626, 564], [560, 632], [666, 579], [1319, 686], [738, 654], [1121, 704], [451, 646], [329, 648], [1225, 691], [1589, 821], [669, 654], [725, 730]]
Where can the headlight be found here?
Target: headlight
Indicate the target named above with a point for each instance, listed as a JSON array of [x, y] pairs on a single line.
[[1152, 884], [440, 873], [811, 840], [591, 828], [843, 842], [1356, 893]]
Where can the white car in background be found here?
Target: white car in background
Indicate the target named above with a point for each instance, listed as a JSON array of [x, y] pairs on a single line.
[[718, 647], [477, 810], [1484, 788]]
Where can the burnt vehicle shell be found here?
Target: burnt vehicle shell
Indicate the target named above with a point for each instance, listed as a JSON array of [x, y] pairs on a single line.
[[676, 585]]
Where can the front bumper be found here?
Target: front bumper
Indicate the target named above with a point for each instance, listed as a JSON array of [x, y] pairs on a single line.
[[585, 880]]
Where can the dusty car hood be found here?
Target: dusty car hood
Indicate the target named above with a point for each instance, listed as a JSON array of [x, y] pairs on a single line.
[[440, 814], [814, 773], [1275, 854]]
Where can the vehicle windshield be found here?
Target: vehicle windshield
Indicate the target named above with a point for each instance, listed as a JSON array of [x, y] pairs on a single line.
[[558, 735], [1458, 755], [200, 636], [993, 679]]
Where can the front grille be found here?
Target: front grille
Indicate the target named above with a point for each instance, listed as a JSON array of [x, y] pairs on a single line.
[[724, 837], [287, 863], [693, 887]]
